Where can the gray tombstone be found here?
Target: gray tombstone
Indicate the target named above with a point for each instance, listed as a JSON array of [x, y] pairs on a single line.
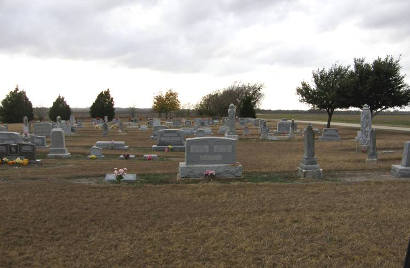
[[105, 129], [283, 126], [38, 141], [188, 123], [42, 129], [264, 130], [372, 151], [155, 130], [246, 131], [111, 145], [10, 137], [330, 134], [177, 123], [365, 126], [4, 128], [403, 170], [19, 150], [59, 123], [231, 121], [57, 147], [26, 128], [210, 153], [97, 151], [309, 168], [156, 122], [170, 139], [105, 118]]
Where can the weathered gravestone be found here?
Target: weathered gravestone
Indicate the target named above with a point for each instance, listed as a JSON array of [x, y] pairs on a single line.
[[39, 141], [177, 123], [105, 129], [246, 131], [309, 168], [231, 133], [330, 134], [19, 150], [42, 129], [170, 139], [97, 151], [188, 123], [156, 122], [155, 131], [4, 128], [57, 147], [403, 170], [365, 126], [65, 125], [210, 153], [372, 151], [26, 127], [112, 145], [283, 126], [10, 137]]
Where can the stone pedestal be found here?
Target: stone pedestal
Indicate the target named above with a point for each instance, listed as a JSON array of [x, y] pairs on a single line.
[[403, 170], [330, 134], [309, 168], [127, 178]]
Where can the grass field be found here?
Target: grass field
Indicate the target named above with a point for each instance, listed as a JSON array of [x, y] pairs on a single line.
[[61, 214], [399, 120]]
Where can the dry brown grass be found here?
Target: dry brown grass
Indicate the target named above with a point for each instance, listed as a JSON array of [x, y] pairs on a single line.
[[47, 220], [54, 223]]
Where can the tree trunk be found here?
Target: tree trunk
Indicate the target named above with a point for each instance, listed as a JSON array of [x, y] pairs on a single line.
[[329, 117]]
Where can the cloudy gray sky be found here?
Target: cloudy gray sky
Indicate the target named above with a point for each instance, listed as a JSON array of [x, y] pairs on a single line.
[[77, 48]]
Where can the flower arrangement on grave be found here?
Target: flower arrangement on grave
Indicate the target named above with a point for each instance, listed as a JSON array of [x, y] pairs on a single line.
[[93, 156], [209, 174], [126, 156], [120, 174], [149, 157]]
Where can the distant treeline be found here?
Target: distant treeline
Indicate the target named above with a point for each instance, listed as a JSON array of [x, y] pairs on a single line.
[[262, 111]]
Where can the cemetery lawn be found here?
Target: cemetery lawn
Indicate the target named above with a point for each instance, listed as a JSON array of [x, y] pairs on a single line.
[[397, 120], [61, 214]]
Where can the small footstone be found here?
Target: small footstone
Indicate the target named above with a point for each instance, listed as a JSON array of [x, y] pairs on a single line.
[[127, 178]]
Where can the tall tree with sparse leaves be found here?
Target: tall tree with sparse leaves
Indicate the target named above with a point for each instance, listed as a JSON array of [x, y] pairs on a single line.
[[103, 106], [15, 106], [330, 90], [59, 108]]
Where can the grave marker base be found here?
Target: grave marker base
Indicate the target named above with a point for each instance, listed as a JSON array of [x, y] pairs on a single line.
[[310, 171], [400, 171], [159, 148], [221, 170], [127, 178]]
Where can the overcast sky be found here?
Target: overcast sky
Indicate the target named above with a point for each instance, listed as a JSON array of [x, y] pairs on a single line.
[[77, 48]]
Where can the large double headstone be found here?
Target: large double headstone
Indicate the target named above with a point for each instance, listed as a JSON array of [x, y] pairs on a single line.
[[10, 137], [309, 168], [170, 139], [18, 150], [283, 126], [330, 134], [155, 131], [216, 154], [57, 147], [112, 145]]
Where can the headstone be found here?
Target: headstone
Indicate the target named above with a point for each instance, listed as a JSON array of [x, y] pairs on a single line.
[[403, 170], [309, 168], [170, 139], [372, 152], [4, 128], [330, 134], [105, 118], [156, 122], [57, 147], [42, 129], [222, 129], [59, 122], [26, 128], [111, 145], [19, 150], [66, 127], [105, 129], [155, 130], [188, 123], [127, 178], [97, 151], [10, 137], [231, 133], [365, 126], [284, 126], [246, 131], [264, 130], [176, 123], [38, 141], [210, 153], [188, 131]]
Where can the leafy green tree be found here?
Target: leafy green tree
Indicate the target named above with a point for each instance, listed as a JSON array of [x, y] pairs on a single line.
[[330, 90], [247, 107], [103, 106], [217, 103], [379, 84], [59, 108], [166, 103], [15, 106]]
